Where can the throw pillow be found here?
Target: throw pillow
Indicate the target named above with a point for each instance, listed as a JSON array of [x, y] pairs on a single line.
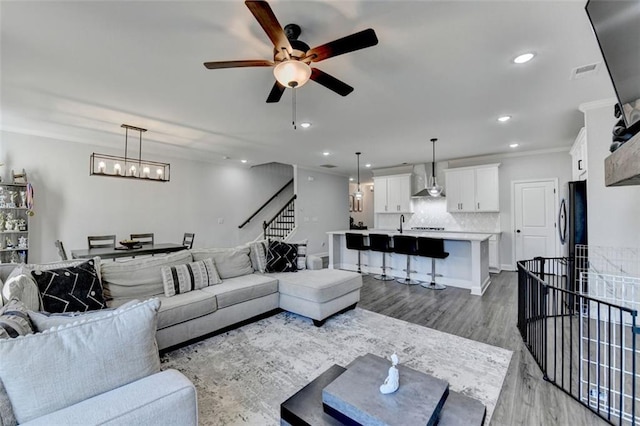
[[1, 301], [258, 256], [302, 254], [21, 286], [14, 320], [75, 288], [188, 277], [282, 257], [72, 363], [230, 262], [45, 320]]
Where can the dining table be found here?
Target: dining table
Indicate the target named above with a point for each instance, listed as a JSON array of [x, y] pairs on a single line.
[[121, 251]]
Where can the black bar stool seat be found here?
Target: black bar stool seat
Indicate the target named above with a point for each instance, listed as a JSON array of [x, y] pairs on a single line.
[[356, 242], [433, 248], [381, 243], [407, 245]]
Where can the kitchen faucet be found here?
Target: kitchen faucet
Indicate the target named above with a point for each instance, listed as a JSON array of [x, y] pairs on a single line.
[[401, 222]]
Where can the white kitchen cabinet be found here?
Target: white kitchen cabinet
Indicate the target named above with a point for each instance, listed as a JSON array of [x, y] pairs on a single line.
[[578, 154], [460, 190], [392, 194], [473, 189], [487, 189]]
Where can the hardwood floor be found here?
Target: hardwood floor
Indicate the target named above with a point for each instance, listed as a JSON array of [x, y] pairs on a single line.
[[526, 399]]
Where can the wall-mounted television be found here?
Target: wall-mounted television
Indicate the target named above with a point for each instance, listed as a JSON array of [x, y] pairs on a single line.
[[616, 24]]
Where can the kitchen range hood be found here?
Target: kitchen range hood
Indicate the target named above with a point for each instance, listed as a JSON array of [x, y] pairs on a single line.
[[421, 173]]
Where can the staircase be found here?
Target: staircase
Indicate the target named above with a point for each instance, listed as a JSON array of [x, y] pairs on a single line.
[[283, 223]]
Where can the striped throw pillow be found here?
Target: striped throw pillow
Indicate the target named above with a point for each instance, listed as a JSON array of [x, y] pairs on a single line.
[[14, 320], [189, 276]]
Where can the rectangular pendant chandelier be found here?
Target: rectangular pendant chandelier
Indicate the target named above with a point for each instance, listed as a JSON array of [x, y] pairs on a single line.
[[129, 167]]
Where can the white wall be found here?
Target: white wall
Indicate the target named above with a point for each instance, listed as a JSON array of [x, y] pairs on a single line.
[[527, 167], [322, 206], [70, 204], [613, 213]]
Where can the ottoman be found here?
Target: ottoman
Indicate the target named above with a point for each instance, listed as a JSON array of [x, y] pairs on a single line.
[[318, 294]]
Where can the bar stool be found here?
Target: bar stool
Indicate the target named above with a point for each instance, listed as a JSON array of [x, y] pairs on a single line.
[[356, 242], [381, 243], [433, 248], [404, 244]]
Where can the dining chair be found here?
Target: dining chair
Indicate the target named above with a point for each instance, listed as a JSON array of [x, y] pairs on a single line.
[[101, 241], [61, 251], [145, 239], [187, 240]]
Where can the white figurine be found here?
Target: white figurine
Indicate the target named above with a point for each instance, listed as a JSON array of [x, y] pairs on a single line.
[[392, 382]]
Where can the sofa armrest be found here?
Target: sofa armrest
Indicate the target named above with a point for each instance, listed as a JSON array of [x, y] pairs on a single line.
[[167, 397], [314, 262]]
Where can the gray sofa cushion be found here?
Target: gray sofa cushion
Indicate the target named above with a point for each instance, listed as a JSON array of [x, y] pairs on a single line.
[[240, 289], [139, 278], [166, 398], [317, 285], [185, 307], [230, 262], [71, 363]]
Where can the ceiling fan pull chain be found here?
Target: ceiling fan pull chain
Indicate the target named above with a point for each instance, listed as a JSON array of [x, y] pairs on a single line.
[[293, 104]]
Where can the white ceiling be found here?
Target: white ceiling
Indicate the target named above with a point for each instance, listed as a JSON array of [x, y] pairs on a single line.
[[77, 70]]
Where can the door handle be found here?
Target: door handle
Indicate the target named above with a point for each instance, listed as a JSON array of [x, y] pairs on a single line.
[[478, 206], [518, 231], [579, 164]]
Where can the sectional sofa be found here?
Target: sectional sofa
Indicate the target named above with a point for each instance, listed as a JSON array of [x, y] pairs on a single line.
[[245, 290], [239, 291]]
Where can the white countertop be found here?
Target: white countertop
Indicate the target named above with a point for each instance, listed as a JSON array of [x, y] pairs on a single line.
[[445, 235]]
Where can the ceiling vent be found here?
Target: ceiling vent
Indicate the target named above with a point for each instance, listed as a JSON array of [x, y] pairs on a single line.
[[585, 71], [328, 166]]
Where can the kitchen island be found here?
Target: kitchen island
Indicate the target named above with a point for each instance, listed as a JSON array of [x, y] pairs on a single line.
[[466, 267]]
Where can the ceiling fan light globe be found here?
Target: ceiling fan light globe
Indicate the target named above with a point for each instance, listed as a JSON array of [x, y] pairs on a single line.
[[292, 73], [358, 195]]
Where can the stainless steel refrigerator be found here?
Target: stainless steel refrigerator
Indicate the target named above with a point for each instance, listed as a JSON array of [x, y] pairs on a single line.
[[577, 229]]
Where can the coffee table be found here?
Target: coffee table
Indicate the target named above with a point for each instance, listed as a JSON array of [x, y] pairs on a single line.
[[305, 408]]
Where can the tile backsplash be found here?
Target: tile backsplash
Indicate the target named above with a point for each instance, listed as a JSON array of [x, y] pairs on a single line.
[[432, 212]]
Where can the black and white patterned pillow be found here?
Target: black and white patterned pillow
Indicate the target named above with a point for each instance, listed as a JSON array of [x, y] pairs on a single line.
[[189, 276], [14, 320], [282, 257], [71, 289], [302, 254]]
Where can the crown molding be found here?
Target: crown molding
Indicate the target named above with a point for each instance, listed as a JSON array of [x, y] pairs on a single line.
[[584, 107]]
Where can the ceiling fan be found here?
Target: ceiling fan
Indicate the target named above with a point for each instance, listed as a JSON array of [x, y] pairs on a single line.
[[292, 58]]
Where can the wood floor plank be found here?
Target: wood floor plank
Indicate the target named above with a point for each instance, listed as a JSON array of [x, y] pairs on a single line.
[[526, 398]]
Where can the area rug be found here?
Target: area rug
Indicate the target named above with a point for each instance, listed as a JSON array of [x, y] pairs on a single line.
[[243, 376]]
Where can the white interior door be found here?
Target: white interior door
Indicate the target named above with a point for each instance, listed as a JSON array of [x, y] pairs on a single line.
[[534, 219]]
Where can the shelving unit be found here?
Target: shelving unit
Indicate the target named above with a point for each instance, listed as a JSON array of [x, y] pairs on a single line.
[[14, 223]]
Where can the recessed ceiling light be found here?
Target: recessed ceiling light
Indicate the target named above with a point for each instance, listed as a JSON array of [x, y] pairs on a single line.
[[305, 125], [513, 145], [525, 57], [243, 161], [326, 153], [368, 165], [350, 179], [504, 118]]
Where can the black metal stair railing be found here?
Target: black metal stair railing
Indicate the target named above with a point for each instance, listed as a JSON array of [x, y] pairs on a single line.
[[266, 203], [281, 225], [585, 346]]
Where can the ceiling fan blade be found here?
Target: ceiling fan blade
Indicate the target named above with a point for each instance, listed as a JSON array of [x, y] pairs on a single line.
[[356, 41], [276, 93], [269, 23], [330, 82], [238, 64]]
